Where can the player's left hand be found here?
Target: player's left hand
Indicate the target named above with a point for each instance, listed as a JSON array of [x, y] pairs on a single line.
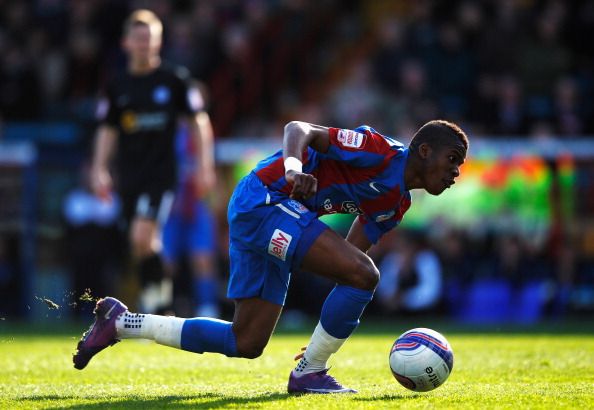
[[304, 185]]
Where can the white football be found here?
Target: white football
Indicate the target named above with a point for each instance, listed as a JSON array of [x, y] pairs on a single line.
[[421, 359]]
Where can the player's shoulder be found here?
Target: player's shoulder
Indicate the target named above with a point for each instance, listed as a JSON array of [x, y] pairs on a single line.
[[391, 142], [117, 79], [116, 82]]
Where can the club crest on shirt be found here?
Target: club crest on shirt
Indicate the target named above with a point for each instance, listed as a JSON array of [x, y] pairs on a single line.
[[161, 94], [279, 244], [350, 207], [297, 206], [350, 138]]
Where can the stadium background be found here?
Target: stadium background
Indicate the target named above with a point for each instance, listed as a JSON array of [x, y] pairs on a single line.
[[515, 238]]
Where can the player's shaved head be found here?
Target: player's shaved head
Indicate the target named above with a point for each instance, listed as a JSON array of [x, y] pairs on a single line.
[[439, 133]]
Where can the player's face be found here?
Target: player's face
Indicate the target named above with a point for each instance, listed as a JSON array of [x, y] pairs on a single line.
[[442, 167], [141, 44]]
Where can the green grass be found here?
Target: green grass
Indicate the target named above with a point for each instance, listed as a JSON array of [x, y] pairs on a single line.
[[549, 367]]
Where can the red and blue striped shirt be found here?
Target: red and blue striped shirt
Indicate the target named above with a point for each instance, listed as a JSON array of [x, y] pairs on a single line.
[[362, 173]]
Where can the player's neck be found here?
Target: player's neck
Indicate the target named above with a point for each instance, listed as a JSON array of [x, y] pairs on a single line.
[[144, 67], [411, 175]]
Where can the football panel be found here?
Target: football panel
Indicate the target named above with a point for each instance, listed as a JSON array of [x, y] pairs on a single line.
[[421, 359], [433, 341]]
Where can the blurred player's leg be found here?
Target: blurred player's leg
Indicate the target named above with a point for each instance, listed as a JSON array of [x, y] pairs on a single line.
[[156, 288], [205, 285], [191, 234], [205, 278], [152, 210]]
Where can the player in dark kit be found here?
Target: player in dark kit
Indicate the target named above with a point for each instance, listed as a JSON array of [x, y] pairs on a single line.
[[274, 229], [139, 117]]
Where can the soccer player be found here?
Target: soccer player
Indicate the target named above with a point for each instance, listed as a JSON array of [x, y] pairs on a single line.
[[139, 117], [190, 232], [274, 229]]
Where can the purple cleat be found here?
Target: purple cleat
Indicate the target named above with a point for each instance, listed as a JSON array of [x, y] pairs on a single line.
[[102, 332], [320, 383]]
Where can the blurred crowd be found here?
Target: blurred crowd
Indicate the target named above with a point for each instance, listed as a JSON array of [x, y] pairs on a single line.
[[501, 68], [509, 67]]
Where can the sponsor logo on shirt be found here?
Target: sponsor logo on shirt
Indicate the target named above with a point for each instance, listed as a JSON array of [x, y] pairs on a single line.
[[133, 122], [161, 94], [350, 138], [328, 206], [279, 244], [372, 186], [350, 207], [298, 206]]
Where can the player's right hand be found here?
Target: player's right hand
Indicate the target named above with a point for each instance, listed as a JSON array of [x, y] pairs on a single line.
[[304, 185], [101, 183]]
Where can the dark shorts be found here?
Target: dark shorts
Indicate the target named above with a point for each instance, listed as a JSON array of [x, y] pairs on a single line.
[[150, 204]]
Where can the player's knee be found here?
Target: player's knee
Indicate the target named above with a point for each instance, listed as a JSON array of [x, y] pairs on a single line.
[[143, 239], [250, 349], [142, 245], [141, 249], [368, 275]]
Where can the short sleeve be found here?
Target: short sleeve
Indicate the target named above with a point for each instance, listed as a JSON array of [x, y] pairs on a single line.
[[359, 148], [375, 230], [191, 100], [106, 111]]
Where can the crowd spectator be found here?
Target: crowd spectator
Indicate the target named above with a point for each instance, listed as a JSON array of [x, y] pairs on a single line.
[[411, 276], [456, 57], [502, 68]]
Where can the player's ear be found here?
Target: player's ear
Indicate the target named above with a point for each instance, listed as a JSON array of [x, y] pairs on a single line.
[[424, 150]]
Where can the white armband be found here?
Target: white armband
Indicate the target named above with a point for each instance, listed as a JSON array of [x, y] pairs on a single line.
[[293, 164]]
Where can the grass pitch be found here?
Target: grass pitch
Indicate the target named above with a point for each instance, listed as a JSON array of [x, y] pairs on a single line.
[[538, 368]]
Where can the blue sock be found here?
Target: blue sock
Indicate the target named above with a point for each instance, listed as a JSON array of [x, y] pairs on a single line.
[[203, 334], [342, 309], [205, 291]]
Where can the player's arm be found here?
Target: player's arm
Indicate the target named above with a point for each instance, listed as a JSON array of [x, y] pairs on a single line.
[[105, 145], [357, 236], [201, 131], [297, 137]]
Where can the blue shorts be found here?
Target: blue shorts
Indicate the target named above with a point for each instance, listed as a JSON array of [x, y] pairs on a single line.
[[269, 234], [189, 235]]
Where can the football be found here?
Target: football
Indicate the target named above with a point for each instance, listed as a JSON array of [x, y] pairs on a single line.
[[421, 359]]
